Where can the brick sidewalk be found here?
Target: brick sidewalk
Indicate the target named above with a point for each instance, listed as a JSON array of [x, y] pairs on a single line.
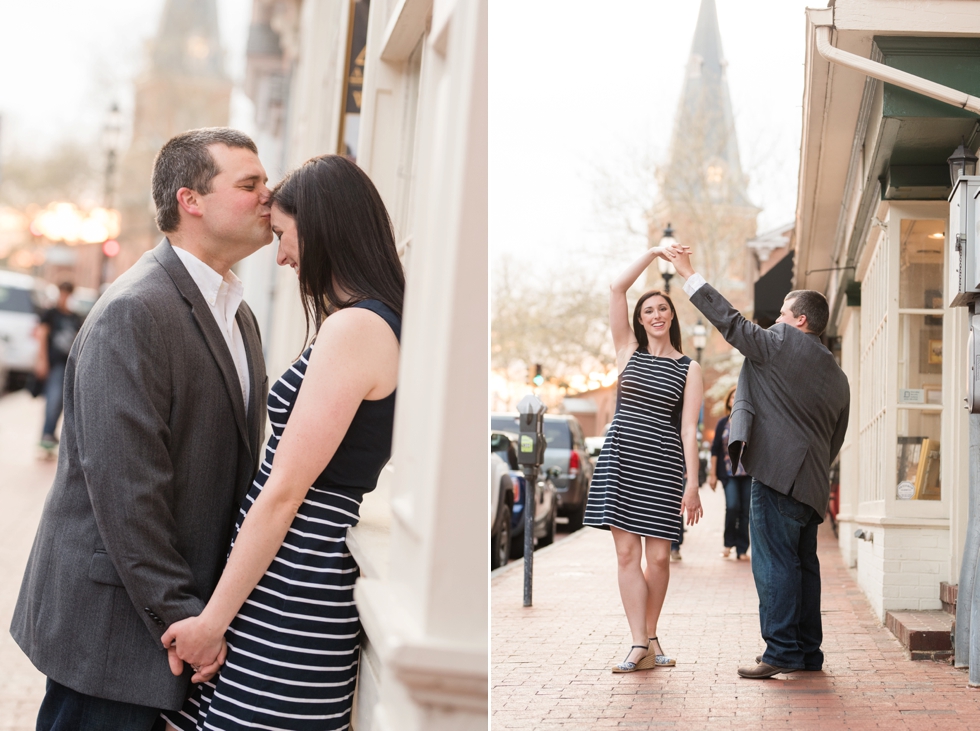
[[550, 663], [24, 483]]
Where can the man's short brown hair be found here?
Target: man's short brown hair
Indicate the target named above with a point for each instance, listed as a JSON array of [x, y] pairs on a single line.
[[185, 162], [813, 305]]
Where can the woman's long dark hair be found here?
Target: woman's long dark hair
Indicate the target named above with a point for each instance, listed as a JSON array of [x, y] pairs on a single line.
[[345, 237], [641, 333]]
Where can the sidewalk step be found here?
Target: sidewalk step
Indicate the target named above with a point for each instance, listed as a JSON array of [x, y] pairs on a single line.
[[947, 595], [926, 635]]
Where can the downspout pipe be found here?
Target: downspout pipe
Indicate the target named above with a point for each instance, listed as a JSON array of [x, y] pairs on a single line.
[[890, 75]]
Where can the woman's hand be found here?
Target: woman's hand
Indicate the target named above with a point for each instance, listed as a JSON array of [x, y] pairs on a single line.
[[691, 502], [713, 482], [195, 641]]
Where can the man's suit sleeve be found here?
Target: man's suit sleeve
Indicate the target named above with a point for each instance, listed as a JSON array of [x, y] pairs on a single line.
[[123, 398], [837, 440], [754, 342]]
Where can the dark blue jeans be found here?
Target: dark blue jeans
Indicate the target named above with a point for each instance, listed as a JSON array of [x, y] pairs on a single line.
[[738, 491], [787, 577], [64, 709], [54, 396]]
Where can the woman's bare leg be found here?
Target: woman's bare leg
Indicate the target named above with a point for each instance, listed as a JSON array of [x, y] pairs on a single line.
[[656, 576], [632, 586]]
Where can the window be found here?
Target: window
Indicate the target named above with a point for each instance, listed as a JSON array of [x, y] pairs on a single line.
[[920, 359]]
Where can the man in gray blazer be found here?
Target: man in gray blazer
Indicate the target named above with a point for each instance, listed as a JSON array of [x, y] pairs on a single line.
[[787, 426], [164, 393]]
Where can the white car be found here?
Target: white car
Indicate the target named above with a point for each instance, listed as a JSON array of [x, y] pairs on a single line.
[[18, 321], [501, 507]]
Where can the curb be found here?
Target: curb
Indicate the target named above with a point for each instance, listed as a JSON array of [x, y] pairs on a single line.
[[512, 565]]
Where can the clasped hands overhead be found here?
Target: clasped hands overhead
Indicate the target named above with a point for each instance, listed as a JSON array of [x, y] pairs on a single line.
[[680, 257]]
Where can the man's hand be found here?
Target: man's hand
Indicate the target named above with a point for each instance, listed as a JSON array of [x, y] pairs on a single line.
[[680, 257]]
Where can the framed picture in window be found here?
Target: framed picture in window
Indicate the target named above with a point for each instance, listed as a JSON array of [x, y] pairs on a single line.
[[935, 351], [927, 474]]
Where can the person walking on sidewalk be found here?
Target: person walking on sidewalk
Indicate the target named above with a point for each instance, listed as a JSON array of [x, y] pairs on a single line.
[[638, 489], [787, 425], [55, 334], [736, 484]]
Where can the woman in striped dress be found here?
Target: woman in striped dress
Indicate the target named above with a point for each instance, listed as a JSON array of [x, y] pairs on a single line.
[[283, 617], [638, 490]]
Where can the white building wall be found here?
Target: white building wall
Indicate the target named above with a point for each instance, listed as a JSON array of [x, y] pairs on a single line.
[[422, 542]]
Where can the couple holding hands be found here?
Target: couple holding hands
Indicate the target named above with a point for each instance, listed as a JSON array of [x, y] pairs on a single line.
[[182, 577], [786, 427]]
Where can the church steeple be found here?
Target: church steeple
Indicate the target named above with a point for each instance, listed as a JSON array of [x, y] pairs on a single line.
[[187, 41], [704, 157]]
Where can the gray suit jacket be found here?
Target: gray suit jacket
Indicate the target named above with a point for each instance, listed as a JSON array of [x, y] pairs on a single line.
[[156, 455], [791, 405]]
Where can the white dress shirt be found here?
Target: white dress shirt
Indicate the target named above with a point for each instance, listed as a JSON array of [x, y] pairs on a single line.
[[693, 284], [223, 295]]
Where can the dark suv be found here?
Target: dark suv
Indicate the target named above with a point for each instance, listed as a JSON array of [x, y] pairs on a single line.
[[566, 451]]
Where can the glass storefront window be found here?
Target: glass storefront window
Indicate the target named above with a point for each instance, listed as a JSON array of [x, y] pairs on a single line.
[[920, 359], [921, 264], [918, 455]]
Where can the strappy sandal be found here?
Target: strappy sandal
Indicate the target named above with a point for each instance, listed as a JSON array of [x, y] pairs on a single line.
[[659, 661], [629, 667]]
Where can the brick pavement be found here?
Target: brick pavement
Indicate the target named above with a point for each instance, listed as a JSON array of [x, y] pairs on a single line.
[[550, 662], [24, 483]]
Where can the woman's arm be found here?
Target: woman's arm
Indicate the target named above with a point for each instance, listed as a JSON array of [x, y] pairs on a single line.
[[624, 339], [713, 473], [355, 358], [693, 392]]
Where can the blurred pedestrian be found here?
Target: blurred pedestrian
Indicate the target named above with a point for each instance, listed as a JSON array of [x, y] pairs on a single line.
[[55, 334], [286, 597], [162, 427], [737, 486], [638, 489]]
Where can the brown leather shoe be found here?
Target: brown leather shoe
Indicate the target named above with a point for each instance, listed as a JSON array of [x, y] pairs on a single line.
[[763, 670], [758, 659]]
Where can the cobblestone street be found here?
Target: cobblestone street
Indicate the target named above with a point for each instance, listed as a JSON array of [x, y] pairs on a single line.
[[24, 483], [550, 663]]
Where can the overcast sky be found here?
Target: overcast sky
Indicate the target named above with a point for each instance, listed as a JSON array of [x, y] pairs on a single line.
[[63, 62], [580, 86]]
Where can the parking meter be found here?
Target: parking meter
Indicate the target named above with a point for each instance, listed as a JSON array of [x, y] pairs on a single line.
[[530, 456]]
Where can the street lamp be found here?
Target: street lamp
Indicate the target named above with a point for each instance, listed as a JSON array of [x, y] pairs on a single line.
[[699, 336], [961, 162], [666, 267], [111, 134]]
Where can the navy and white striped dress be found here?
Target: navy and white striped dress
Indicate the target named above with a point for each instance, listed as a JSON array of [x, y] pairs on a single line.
[[293, 648], [639, 478]]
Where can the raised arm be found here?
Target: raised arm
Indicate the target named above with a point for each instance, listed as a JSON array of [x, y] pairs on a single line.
[[619, 317], [754, 342], [693, 395]]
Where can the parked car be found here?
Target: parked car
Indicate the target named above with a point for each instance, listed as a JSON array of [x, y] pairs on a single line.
[[566, 451], [545, 497], [501, 510], [18, 321]]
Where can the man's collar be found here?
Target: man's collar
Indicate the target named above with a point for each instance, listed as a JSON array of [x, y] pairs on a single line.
[[206, 278]]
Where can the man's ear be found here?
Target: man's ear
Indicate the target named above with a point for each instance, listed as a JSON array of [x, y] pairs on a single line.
[[190, 202]]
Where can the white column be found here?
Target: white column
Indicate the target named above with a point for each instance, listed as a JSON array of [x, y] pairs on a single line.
[[428, 618]]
